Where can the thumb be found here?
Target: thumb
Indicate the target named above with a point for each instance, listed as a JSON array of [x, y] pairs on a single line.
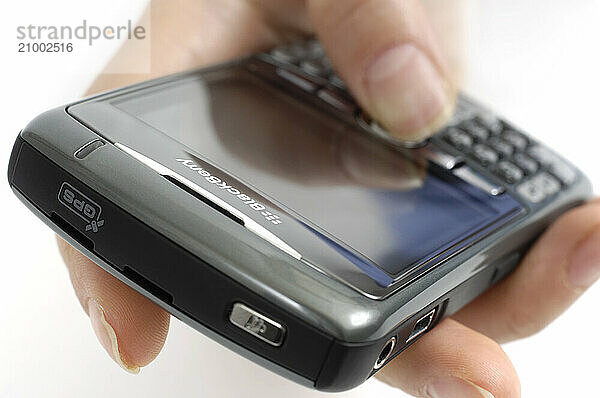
[[453, 361], [386, 52], [131, 328]]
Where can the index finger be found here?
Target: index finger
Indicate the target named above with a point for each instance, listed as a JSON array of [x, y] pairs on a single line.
[[386, 52]]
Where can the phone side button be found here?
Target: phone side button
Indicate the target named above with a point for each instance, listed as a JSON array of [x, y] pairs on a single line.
[[257, 324], [88, 148]]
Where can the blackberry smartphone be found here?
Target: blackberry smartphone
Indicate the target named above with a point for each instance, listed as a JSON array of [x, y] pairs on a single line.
[[256, 202]]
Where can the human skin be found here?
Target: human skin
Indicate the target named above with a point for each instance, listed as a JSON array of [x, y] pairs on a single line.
[[404, 71]]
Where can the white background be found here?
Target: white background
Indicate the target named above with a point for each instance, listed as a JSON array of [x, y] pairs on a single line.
[[536, 61]]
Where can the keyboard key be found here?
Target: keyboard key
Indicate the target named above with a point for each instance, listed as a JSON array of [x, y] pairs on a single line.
[[283, 56], [542, 155], [459, 139], [490, 122], [502, 147], [516, 139], [464, 111], [317, 67], [485, 155], [563, 172], [548, 183], [289, 54], [526, 163], [554, 164], [539, 188], [478, 132], [509, 172], [531, 191]]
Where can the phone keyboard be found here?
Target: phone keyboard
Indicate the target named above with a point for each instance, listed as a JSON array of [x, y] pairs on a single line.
[[513, 157], [533, 171]]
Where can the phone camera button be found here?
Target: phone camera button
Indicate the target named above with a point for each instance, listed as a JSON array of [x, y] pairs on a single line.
[[257, 324]]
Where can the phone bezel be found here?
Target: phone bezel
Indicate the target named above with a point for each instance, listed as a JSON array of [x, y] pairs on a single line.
[[318, 249]]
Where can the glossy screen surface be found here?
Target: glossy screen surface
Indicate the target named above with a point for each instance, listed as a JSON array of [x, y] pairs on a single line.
[[345, 187]]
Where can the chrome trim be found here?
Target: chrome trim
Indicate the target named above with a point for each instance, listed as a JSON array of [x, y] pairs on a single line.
[[249, 223], [442, 159], [382, 361], [467, 174]]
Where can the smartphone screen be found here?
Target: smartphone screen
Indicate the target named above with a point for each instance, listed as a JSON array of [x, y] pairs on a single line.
[[345, 186]]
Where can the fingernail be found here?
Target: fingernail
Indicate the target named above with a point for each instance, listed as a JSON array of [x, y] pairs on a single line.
[[451, 387], [107, 336], [584, 268], [408, 94]]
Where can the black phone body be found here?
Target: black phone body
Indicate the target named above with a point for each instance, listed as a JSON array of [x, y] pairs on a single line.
[[254, 201]]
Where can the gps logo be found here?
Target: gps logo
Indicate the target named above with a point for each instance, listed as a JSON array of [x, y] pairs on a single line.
[[81, 205]]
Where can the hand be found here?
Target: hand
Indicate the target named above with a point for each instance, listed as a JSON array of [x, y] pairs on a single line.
[[386, 51]]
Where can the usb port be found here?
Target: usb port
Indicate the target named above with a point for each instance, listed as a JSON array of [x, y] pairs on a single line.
[[422, 325]]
